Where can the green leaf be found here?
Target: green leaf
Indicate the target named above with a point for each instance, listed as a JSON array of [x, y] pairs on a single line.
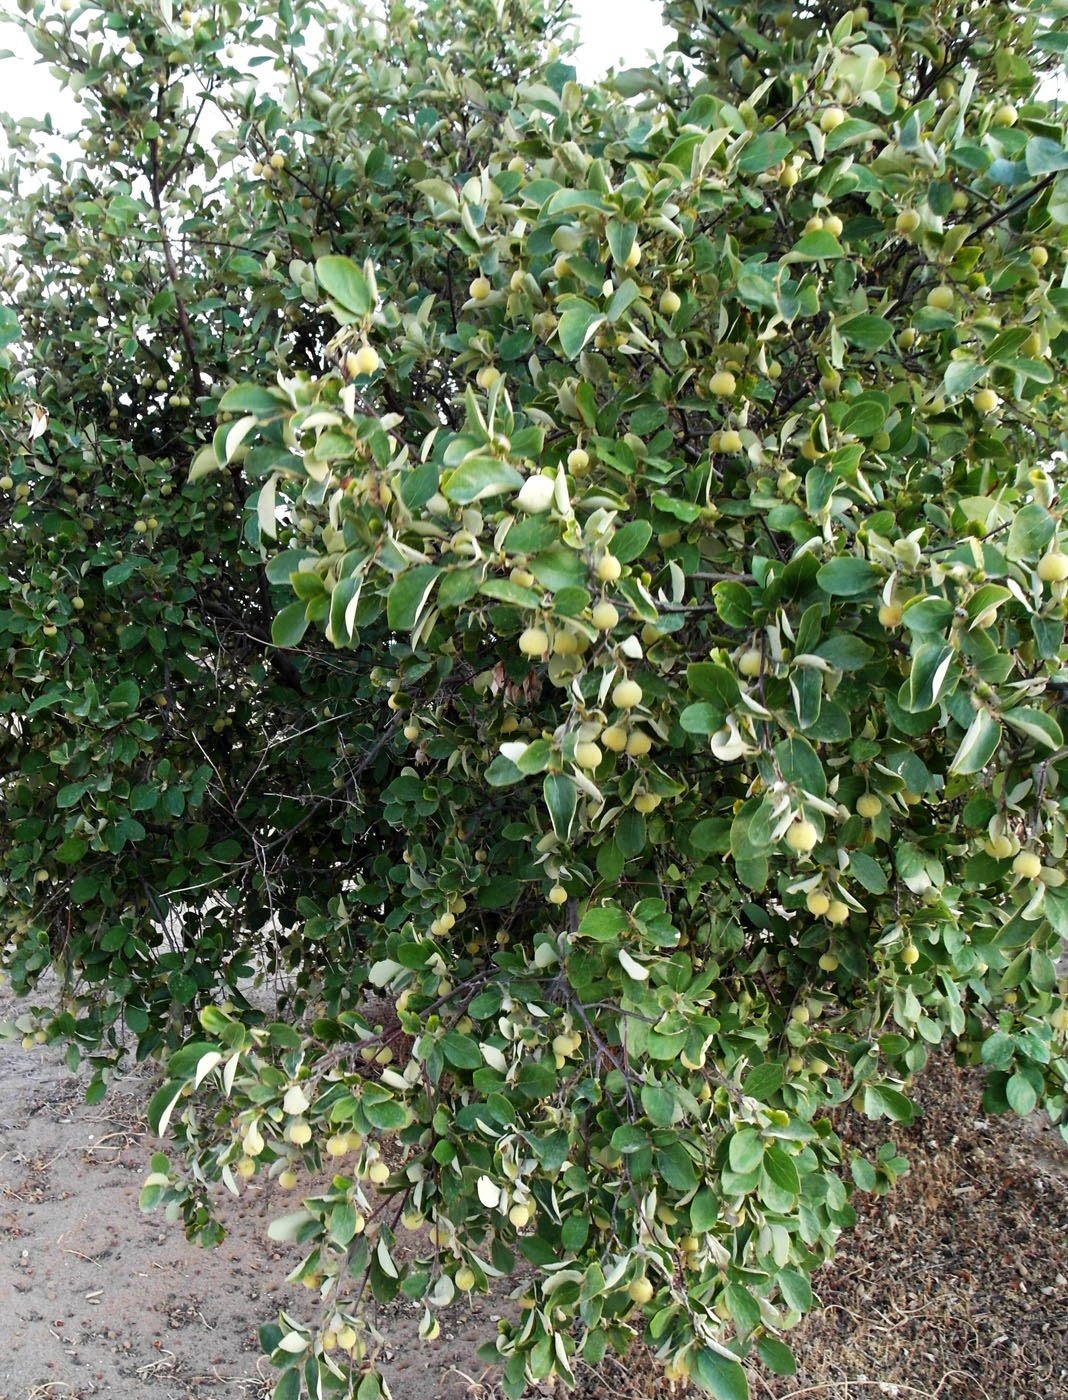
[[869, 332], [409, 596], [867, 872], [979, 745], [764, 151], [1044, 156], [745, 1151], [764, 1081], [721, 1378], [961, 376], [1032, 529], [251, 398], [847, 577], [480, 477], [1035, 725], [795, 1289], [780, 1168], [578, 323], [290, 625], [341, 279], [561, 798], [776, 1356], [1021, 1094], [818, 245]]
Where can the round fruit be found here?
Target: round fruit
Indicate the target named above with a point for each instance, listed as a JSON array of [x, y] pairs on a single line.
[[985, 401], [578, 459], [646, 802], [832, 118], [828, 962], [487, 377], [670, 302], [817, 903], [464, 1279], [788, 177], [557, 895], [412, 732], [337, 1146], [941, 298], [1059, 1019], [367, 360], [868, 806], [890, 615], [604, 617], [730, 440], [722, 383], [634, 257], [608, 568], [287, 1179], [1027, 865], [534, 642], [638, 743], [565, 643], [1053, 568], [833, 224], [910, 954], [1039, 256], [838, 912], [626, 695], [587, 755], [519, 1215], [908, 221], [479, 289], [640, 1290], [278, 161], [299, 1132], [378, 1172], [802, 836], [614, 738], [1005, 115], [749, 662]]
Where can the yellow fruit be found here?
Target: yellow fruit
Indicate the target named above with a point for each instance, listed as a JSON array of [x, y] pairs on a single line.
[[245, 1168], [1005, 115], [832, 118], [626, 695], [985, 401], [890, 615], [487, 377], [817, 903], [412, 732], [802, 836], [287, 1180], [565, 643], [1053, 568], [479, 289], [299, 1132], [838, 912], [587, 754], [337, 1145], [1027, 865], [828, 962], [367, 360], [608, 568], [868, 806], [670, 302], [464, 1279], [646, 802], [604, 617], [749, 662], [346, 1338], [578, 459], [638, 743], [788, 177], [910, 954], [1039, 256], [730, 440], [614, 738], [634, 257], [640, 1290], [534, 642], [941, 298], [722, 384], [908, 221], [833, 224], [278, 161], [378, 1172], [1059, 1019], [519, 1215], [557, 895]]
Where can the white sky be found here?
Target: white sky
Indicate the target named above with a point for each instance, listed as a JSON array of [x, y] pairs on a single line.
[[615, 33]]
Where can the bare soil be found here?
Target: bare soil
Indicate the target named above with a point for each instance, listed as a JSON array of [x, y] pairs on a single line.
[[952, 1288]]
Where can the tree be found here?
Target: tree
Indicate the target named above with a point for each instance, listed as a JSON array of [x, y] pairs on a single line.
[[606, 661]]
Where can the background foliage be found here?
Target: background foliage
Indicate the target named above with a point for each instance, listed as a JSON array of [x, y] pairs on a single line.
[[571, 583]]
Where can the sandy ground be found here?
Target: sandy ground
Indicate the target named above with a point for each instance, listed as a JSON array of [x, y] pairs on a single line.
[[953, 1288]]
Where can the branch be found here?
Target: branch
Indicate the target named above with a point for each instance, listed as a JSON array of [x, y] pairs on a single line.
[[172, 271], [1017, 203]]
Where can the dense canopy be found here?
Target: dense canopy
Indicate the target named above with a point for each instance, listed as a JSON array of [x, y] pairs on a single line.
[[565, 588]]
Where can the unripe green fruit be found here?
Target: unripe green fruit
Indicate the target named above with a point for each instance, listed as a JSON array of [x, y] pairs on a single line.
[[479, 289], [608, 568], [802, 836], [604, 616], [908, 221], [587, 755], [910, 955], [832, 118], [868, 806], [640, 1291], [722, 383], [749, 663], [670, 302], [941, 298], [817, 903], [557, 895], [578, 459], [730, 440], [832, 224], [367, 360], [985, 401]]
